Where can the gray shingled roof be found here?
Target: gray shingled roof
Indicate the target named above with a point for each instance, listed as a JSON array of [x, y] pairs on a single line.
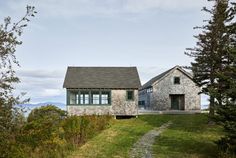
[[154, 79], [102, 77]]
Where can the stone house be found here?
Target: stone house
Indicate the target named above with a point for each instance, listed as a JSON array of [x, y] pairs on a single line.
[[173, 89], [102, 90]]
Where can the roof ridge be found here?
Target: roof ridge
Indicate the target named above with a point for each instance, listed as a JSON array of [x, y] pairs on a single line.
[[161, 75]]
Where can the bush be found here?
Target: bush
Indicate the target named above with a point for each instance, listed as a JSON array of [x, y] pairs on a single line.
[[49, 132], [43, 133], [78, 129]]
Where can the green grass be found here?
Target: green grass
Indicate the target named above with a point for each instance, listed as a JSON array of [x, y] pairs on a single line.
[[189, 136], [115, 141]]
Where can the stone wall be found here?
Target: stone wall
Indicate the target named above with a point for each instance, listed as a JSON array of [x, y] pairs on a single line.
[[119, 106], [162, 89]]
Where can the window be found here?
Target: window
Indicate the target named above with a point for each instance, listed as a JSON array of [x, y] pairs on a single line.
[[149, 90], [89, 97], [105, 98], [141, 103], [81, 98], [84, 98], [130, 95], [95, 98], [73, 97], [176, 80]]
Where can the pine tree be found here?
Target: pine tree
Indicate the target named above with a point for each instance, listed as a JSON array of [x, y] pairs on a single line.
[[226, 107], [209, 48], [214, 68]]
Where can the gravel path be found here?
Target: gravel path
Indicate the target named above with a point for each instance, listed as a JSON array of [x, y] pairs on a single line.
[[143, 148]]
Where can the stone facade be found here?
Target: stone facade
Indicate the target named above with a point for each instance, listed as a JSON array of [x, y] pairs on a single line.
[[119, 106], [158, 96]]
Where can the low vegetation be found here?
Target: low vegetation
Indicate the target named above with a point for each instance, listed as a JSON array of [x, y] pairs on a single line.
[[188, 136], [49, 132]]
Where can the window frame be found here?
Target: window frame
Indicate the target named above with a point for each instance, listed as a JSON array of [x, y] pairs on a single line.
[[176, 78], [127, 95], [76, 95], [84, 97]]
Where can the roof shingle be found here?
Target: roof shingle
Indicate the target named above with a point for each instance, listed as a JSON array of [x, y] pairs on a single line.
[[102, 77]]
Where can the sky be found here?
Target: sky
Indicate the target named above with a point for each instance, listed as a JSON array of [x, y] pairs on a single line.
[[150, 34]]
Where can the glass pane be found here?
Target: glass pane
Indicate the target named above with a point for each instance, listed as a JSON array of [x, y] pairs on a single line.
[[86, 98], [81, 99], [104, 99], [73, 97], [130, 95], [95, 98]]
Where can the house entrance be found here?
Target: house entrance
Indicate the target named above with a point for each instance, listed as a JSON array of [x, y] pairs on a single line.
[[177, 101]]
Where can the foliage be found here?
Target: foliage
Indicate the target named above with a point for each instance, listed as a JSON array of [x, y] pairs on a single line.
[[49, 132], [43, 131], [10, 117], [79, 129], [211, 48], [214, 68], [226, 113]]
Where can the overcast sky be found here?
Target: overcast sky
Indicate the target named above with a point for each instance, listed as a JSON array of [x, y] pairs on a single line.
[[149, 34]]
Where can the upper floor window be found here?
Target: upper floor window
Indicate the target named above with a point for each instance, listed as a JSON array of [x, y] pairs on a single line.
[[176, 80], [130, 95], [149, 90]]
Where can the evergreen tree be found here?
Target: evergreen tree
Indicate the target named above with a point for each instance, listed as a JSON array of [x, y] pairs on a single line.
[[209, 49], [226, 110], [214, 68], [10, 117]]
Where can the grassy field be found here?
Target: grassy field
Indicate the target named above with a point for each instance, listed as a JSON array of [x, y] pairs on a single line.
[[189, 136]]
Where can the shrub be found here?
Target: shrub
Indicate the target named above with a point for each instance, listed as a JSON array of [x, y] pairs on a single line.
[[43, 132], [78, 129], [49, 132]]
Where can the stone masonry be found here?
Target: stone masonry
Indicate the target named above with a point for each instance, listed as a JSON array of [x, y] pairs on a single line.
[[119, 106]]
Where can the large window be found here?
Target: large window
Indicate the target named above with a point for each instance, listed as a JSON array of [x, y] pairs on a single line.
[[84, 98], [89, 97], [73, 97], [95, 98], [130, 95], [105, 98]]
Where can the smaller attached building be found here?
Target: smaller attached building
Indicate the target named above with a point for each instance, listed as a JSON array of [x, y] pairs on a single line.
[[174, 89], [102, 90]]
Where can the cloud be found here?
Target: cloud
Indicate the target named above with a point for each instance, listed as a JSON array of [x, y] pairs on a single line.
[[42, 85], [41, 73], [72, 8], [51, 92]]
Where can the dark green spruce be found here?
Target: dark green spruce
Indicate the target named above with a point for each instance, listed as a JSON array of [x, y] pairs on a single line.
[[214, 68], [209, 49]]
